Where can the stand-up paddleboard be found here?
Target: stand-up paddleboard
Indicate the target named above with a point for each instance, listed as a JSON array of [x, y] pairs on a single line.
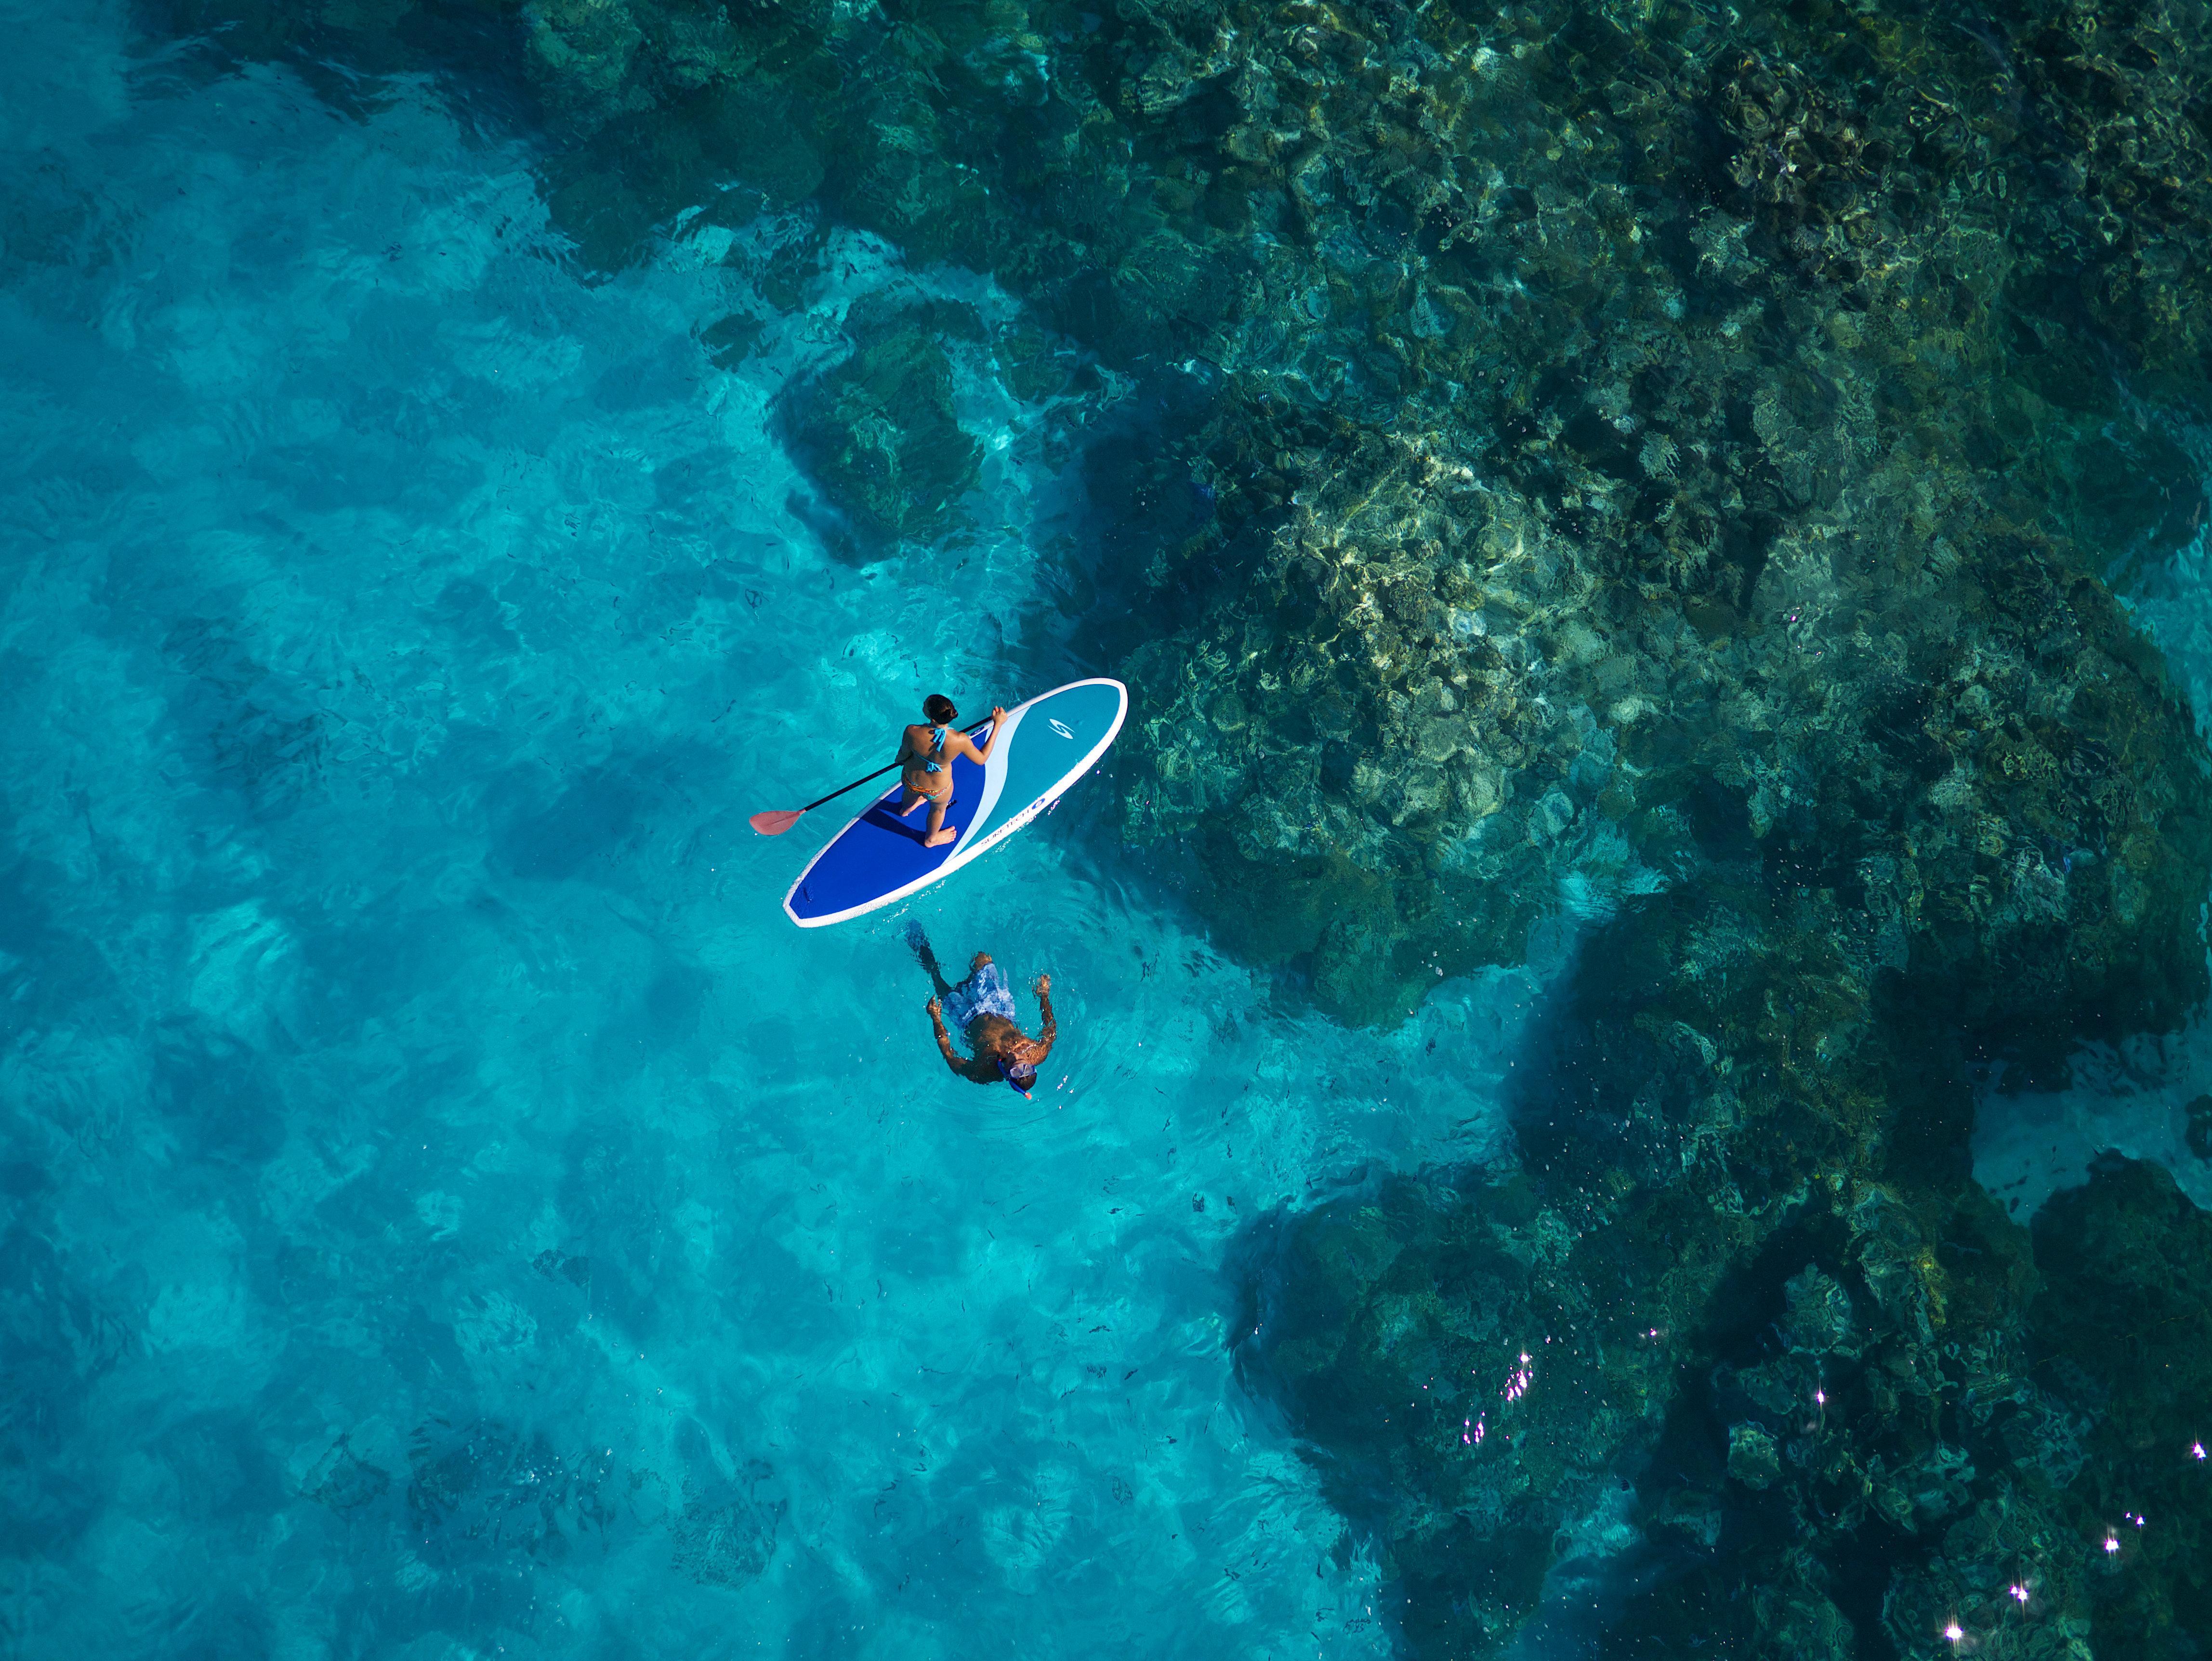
[[1045, 746]]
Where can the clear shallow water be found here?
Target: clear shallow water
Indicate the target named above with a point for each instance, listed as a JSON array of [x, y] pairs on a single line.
[[447, 1209]]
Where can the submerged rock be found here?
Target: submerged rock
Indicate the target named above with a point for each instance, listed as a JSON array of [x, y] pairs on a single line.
[[2122, 1336], [343, 1481], [879, 434], [1753, 1458], [1469, 1378], [725, 1544]]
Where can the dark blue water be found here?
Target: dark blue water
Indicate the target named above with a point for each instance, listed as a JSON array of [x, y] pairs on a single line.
[[448, 1210]]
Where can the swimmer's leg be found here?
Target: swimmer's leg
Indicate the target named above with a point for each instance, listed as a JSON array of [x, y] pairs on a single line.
[[926, 958]]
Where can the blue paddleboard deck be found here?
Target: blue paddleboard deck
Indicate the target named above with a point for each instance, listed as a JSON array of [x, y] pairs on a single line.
[[1046, 745]]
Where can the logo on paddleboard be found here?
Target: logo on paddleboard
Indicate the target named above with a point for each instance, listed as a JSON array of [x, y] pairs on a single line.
[[1062, 729]]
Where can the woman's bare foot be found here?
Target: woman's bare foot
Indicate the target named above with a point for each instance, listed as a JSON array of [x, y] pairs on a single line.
[[940, 839]]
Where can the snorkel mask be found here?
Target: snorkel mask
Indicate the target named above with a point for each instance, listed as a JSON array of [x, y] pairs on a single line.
[[1021, 1078]]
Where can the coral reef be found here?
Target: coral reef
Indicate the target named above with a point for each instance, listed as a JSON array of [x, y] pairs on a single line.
[[1734, 420], [2121, 1338]]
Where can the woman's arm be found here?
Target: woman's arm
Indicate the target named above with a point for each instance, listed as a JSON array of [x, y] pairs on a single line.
[[998, 719]]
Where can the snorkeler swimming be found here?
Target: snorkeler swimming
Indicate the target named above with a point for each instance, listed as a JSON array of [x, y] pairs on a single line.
[[983, 1007], [925, 754]]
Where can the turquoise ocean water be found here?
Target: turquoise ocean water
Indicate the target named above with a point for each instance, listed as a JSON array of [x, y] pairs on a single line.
[[448, 1210], [445, 1210]]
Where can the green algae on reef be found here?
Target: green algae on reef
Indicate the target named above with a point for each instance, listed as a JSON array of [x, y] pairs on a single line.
[[1671, 455]]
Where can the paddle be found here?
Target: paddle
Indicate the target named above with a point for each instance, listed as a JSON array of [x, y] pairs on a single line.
[[782, 819]]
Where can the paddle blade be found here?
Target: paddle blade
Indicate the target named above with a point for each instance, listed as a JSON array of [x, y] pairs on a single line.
[[775, 824]]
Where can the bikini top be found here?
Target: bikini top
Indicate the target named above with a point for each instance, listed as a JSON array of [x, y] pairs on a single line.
[[936, 748]]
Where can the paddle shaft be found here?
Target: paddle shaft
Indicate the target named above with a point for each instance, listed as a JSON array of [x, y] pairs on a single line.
[[842, 788], [855, 785]]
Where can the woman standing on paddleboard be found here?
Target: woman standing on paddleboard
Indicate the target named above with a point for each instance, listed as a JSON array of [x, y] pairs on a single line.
[[926, 753]]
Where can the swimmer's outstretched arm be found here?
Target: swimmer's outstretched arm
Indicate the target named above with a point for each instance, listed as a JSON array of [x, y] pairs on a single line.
[[944, 1038], [1051, 1029], [953, 1059]]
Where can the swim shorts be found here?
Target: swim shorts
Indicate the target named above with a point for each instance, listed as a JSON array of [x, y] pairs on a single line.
[[983, 993]]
